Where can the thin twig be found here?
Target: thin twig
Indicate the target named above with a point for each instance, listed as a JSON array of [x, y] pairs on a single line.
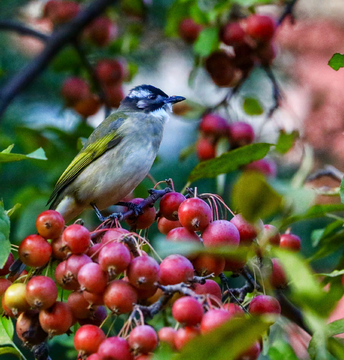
[[10, 25]]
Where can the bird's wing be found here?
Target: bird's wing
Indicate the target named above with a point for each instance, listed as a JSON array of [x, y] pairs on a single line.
[[91, 151]]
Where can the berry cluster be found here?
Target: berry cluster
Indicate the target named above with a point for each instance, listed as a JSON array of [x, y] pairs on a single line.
[[106, 272], [247, 42], [109, 72]]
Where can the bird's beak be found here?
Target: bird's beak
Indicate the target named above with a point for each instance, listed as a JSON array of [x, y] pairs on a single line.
[[174, 99]]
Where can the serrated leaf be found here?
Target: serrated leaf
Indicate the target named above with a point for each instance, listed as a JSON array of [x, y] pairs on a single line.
[[254, 198], [286, 141], [10, 157], [207, 41], [5, 244], [252, 106], [229, 161], [227, 341], [337, 61]]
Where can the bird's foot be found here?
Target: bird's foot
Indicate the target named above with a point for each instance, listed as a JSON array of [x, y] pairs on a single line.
[[135, 208]]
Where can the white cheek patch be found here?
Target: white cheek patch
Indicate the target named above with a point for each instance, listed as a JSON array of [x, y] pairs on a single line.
[[139, 93]]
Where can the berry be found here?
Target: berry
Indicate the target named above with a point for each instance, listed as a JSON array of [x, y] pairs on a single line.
[[143, 339], [248, 232], [41, 292], [79, 306], [57, 319], [187, 311], [167, 334], [182, 234], [77, 238], [260, 27], [15, 298], [291, 242], [92, 278], [264, 304], [50, 224], [189, 30], [6, 268], [165, 226], [87, 339], [213, 319], [113, 235], [34, 251], [232, 34], [252, 353], [272, 234], [115, 348], [278, 277], [175, 269], [143, 221], [169, 205], [213, 124], [233, 309], [205, 148], [101, 31], [29, 329], [267, 167], [221, 232], [221, 68], [111, 71], [206, 264], [88, 106], [120, 297], [210, 287], [75, 89], [114, 258], [184, 335], [114, 95], [60, 12], [194, 214], [240, 134], [143, 272]]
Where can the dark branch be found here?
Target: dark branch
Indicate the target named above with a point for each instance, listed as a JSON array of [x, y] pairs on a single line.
[[288, 10], [9, 25], [58, 40]]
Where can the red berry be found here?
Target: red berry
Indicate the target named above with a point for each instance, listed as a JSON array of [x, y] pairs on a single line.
[[184, 335], [111, 71], [234, 264], [165, 226], [210, 287], [206, 264], [143, 339], [101, 31], [182, 234], [60, 12], [233, 309], [96, 317], [205, 148], [6, 268], [194, 214], [77, 238], [169, 205], [93, 298], [252, 353], [232, 34], [59, 251], [272, 234], [57, 319], [265, 166], [213, 124], [87, 339], [175, 269], [114, 258], [143, 272], [88, 106], [278, 278], [240, 134], [264, 304], [50, 224], [41, 292], [114, 348], [79, 306], [248, 232], [75, 89], [221, 232], [189, 30], [213, 319], [114, 235], [114, 95], [4, 284], [167, 334], [34, 251], [260, 27], [187, 311], [290, 242], [120, 297], [92, 278]]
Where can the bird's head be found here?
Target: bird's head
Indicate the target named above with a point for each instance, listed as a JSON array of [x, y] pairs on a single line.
[[148, 99]]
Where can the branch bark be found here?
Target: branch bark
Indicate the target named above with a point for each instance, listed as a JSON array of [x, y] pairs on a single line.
[[57, 41]]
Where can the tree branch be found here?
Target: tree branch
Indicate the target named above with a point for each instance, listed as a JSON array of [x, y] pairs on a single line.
[[10, 25], [57, 41]]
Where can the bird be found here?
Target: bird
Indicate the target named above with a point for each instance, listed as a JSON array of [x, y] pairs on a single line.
[[117, 156]]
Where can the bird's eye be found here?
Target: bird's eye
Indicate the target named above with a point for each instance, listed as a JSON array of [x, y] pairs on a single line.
[[152, 97]]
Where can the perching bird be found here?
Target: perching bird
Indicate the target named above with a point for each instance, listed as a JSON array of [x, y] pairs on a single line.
[[117, 156]]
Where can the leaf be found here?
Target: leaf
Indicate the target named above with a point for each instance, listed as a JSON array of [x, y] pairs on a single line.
[[337, 61], [10, 350], [286, 141], [281, 350], [334, 273], [6, 156], [229, 161], [13, 209], [207, 41], [186, 152], [341, 191], [254, 198], [6, 331], [227, 341], [5, 244], [252, 106]]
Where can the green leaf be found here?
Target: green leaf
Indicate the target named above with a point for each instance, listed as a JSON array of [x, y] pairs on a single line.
[[6, 156], [281, 350], [229, 161], [6, 331], [186, 152], [10, 350], [286, 141], [5, 244], [252, 106], [341, 191], [334, 273], [226, 342], [254, 198], [13, 209], [207, 41], [337, 61]]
